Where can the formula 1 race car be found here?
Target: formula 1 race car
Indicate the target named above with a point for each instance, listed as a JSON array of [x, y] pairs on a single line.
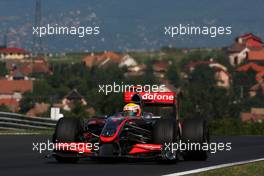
[[120, 135]]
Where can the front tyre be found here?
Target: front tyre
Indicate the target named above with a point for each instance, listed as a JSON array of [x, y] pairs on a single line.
[[165, 133], [67, 130]]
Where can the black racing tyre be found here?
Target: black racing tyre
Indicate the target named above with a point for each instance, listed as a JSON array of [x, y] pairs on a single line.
[[67, 130], [165, 132], [195, 130]]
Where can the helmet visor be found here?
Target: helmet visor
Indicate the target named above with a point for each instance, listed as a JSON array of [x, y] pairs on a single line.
[[130, 113]]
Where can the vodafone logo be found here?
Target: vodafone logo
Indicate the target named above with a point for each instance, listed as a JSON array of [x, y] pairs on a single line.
[[153, 97], [157, 97]]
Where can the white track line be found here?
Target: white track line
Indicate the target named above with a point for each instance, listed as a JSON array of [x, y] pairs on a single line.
[[213, 167]]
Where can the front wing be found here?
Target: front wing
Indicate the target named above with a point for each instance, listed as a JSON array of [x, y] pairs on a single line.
[[80, 150]]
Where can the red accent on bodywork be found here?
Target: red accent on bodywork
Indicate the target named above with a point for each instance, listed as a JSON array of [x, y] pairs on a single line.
[[107, 139], [112, 138], [135, 150], [79, 147], [145, 148]]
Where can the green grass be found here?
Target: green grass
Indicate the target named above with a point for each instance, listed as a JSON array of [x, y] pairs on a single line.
[[252, 169], [143, 57], [221, 127]]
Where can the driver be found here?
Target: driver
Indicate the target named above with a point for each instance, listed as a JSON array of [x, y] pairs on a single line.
[[132, 109]]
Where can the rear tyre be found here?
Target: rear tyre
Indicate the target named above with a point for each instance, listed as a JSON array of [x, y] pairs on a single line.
[[165, 133], [195, 130], [67, 130]]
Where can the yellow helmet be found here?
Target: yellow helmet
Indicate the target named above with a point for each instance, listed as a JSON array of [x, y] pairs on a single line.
[[132, 109]]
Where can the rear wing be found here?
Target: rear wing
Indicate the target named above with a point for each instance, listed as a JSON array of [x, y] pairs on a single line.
[[152, 98], [163, 99]]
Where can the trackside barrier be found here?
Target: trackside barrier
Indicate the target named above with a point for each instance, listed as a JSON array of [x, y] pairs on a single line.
[[19, 121]]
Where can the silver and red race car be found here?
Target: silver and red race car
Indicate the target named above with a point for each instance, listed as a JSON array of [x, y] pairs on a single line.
[[148, 136]]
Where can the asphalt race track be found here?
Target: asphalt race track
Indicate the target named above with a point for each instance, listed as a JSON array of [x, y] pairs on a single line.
[[17, 158]]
